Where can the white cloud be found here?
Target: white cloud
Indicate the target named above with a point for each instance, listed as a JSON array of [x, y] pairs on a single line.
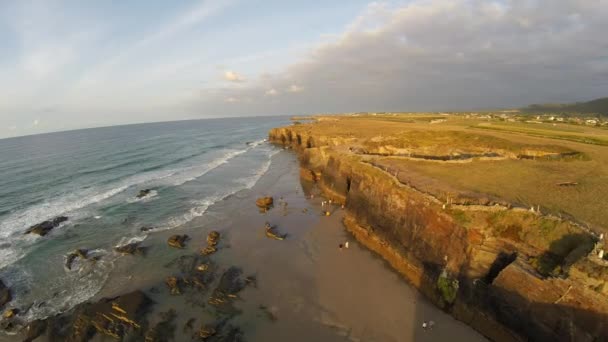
[[12, 128], [232, 99], [294, 88], [233, 76], [36, 122], [272, 92]]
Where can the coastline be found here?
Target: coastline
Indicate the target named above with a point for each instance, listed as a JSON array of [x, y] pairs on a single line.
[[306, 287], [504, 299]]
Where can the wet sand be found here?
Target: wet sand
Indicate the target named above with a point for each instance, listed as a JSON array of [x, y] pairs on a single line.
[[307, 288]]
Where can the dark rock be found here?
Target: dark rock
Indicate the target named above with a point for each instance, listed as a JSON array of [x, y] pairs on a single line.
[[121, 318], [229, 286], [146, 229], [5, 294], [177, 241], [143, 193], [45, 227], [79, 253], [164, 330], [189, 324], [218, 332], [34, 330], [131, 248]]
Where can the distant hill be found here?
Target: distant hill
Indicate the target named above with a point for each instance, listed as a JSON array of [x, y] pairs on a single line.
[[597, 107]]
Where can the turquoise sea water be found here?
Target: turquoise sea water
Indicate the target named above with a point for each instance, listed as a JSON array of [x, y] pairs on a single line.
[[93, 176]]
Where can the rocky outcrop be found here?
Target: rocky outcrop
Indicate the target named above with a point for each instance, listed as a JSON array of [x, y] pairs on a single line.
[[213, 239], [120, 318], [509, 273], [79, 253], [5, 294], [130, 249], [143, 193], [45, 227], [177, 241]]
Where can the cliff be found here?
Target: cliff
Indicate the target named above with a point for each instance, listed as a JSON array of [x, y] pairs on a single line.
[[511, 272]]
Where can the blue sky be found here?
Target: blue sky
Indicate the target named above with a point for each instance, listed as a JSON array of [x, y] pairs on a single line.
[[74, 64]]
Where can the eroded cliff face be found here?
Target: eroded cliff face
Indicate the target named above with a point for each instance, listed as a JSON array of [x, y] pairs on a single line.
[[497, 268]]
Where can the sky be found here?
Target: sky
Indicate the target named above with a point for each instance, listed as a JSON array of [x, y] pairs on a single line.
[[77, 64]]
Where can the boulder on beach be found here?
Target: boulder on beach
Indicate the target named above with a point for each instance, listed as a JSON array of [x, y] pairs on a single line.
[[45, 227], [114, 317], [271, 232], [177, 241], [213, 238], [208, 250], [143, 193], [5, 294], [130, 249], [79, 253], [173, 283], [264, 202]]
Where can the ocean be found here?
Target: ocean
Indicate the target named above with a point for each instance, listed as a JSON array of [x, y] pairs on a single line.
[[93, 177]]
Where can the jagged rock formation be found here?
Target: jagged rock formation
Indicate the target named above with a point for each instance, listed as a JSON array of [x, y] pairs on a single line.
[[45, 227], [508, 272], [177, 241], [5, 294]]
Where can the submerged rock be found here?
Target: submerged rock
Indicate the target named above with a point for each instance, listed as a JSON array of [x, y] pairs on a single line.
[[5, 294], [164, 330], [143, 193], [45, 227], [130, 249], [177, 241]]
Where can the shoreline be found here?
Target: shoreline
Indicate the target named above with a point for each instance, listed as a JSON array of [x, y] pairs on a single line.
[[306, 288]]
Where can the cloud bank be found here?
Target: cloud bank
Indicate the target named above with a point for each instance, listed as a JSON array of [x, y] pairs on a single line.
[[438, 55]]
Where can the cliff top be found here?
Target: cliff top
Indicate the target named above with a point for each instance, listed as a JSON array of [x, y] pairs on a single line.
[[559, 168]]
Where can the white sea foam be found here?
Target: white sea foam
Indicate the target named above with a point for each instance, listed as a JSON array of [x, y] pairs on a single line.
[[201, 207], [128, 240], [60, 294], [194, 172]]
